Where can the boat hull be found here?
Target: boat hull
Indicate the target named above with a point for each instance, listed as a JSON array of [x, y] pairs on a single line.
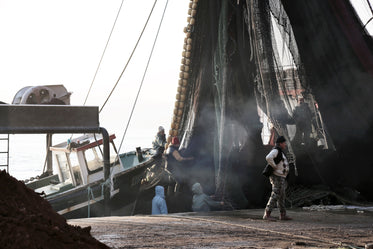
[[127, 188]]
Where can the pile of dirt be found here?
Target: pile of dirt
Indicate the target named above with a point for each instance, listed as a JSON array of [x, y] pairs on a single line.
[[28, 221]]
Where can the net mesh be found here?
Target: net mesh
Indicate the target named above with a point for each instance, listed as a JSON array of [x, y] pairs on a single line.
[[263, 68]]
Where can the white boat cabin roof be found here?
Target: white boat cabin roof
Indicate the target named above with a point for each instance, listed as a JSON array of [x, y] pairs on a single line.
[[81, 143]]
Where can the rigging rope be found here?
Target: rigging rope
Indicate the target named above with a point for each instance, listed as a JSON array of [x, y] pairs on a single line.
[[103, 53], [370, 19], [102, 56], [143, 77], [129, 59], [370, 7]]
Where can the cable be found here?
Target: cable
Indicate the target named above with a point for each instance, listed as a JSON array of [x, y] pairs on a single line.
[[370, 19], [103, 53], [102, 56], [143, 77], [129, 59], [370, 7]]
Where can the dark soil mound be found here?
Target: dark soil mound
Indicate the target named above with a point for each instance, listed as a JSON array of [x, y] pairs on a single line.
[[28, 221]]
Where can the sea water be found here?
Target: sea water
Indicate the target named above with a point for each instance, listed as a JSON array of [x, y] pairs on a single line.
[[26, 155], [27, 152]]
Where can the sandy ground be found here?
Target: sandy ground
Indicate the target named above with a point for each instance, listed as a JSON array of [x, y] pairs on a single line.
[[234, 229]]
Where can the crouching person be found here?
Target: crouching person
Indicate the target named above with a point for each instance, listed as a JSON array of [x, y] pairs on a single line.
[[159, 205], [201, 201]]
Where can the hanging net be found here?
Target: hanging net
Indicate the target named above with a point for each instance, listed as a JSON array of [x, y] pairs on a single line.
[[263, 68]]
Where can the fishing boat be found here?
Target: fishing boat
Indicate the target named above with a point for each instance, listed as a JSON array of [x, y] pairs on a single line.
[[76, 190], [233, 65], [83, 176]]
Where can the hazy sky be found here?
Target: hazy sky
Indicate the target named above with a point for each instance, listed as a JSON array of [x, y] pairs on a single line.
[[364, 12], [46, 42]]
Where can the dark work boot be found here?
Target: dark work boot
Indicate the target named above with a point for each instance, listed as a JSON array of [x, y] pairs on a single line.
[[283, 216], [267, 216]]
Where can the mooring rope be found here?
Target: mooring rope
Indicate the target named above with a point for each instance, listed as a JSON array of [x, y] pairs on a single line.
[[90, 193], [92, 197]]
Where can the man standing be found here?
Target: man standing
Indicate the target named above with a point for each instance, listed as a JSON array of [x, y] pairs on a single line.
[[277, 159], [303, 120]]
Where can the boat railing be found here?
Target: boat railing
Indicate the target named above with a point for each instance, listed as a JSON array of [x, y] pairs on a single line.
[[53, 179]]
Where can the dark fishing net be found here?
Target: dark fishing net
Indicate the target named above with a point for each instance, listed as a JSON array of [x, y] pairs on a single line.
[[263, 68]]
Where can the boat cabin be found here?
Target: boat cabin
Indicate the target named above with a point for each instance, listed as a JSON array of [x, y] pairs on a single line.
[[77, 162], [80, 160]]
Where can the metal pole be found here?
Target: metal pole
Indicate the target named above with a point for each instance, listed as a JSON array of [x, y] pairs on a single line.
[[105, 136], [49, 160], [7, 156]]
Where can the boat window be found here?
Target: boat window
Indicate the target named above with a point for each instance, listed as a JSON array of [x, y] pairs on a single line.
[[93, 159], [113, 151], [76, 169], [63, 167]]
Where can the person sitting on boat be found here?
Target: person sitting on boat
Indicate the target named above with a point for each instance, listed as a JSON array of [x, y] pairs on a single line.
[[201, 201], [174, 162], [159, 141], [159, 205]]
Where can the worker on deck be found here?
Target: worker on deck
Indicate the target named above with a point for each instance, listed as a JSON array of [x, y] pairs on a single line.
[[159, 142], [174, 163]]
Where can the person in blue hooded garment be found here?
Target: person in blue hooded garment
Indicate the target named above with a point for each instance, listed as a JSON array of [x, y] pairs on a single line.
[[159, 205], [201, 201]]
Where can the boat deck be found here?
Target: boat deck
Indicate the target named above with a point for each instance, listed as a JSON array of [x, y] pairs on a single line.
[[234, 229]]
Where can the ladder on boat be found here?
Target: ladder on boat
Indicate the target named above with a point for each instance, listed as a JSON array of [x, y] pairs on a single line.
[[4, 152]]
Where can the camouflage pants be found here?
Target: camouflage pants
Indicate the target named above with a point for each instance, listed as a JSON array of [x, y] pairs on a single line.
[[278, 193]]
